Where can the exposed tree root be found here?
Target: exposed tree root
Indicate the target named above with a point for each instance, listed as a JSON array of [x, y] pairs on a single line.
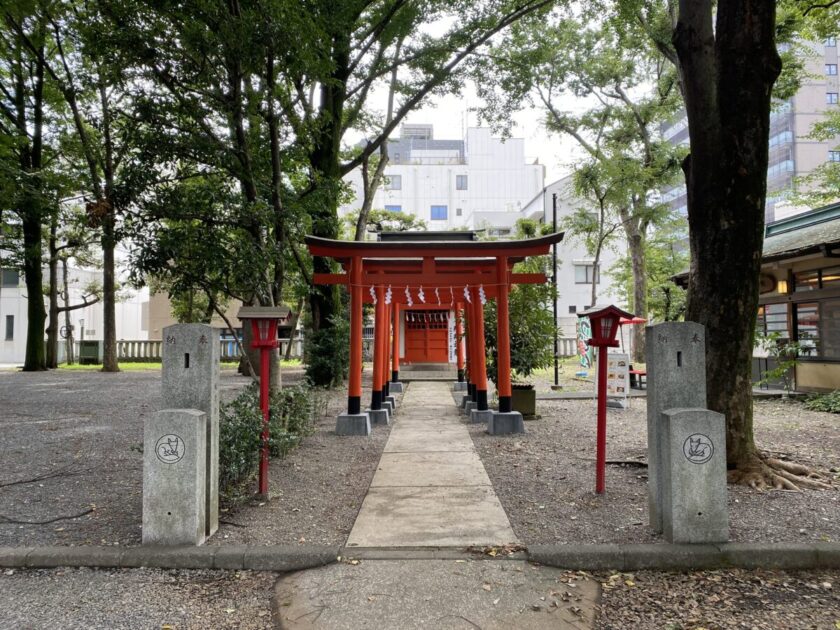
[[763, 473]]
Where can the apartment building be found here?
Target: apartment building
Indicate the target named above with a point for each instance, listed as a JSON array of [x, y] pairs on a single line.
[[576, 267], [476, 182], [792, 154]]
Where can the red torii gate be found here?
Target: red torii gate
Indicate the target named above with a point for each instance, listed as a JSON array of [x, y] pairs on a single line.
[[461, 271]]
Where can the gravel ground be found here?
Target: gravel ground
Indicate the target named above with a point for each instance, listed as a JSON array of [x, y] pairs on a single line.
[[135, 598], [87, 429], [712, 600], [545, 479]]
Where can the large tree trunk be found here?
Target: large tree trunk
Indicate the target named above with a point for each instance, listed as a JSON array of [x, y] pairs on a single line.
[[52, 327], [109, 293], [33, 276], [728, 74]]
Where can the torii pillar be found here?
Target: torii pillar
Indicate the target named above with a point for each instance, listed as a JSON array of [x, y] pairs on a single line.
[[396, 386], [481, 412], [378, 414], [459, 385], [505, 420], [354, 422]]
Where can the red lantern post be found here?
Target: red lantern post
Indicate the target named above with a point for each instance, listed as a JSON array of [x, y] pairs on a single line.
[[604, 321], [263, 321]]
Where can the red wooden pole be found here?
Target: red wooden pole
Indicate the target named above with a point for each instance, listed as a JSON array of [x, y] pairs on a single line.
[[378, 337], [480, 353], [386, 351], [395, 358], [601, 454], [354, 394], [459, 340], [503, 335], [470, 350], [265, 356]]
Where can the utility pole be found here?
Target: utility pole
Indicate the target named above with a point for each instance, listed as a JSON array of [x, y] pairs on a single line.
[[554, 284]]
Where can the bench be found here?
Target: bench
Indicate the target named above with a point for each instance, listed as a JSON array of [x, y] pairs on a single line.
[[638, 379]]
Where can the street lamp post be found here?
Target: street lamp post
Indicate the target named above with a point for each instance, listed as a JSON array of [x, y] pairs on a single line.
[[604, 322], [263, 337]]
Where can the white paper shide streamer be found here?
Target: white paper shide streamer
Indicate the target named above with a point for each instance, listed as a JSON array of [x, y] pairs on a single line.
[[467, 296], [388, 295], [373, 294], [421, 295], [481, 295], [408, 299]]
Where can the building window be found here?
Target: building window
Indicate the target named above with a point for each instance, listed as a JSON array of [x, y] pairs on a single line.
[[830, 328], [438, 213], [807, 328], [10, 327], [9, 277], [834, 156], [460, 182], [585, 273], [775, 320], [572, 309], [396, 158], [393, 208], [807, 280], [831, 98], [393, 182], [458, 212], [831, 42], [831, 69]]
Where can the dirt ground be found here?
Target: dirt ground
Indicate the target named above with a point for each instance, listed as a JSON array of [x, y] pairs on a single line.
[[71, 444], [545, 479]]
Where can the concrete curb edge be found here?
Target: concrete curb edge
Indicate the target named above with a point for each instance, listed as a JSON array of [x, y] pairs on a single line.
[[619, 557], [267, 558], [665, 557]]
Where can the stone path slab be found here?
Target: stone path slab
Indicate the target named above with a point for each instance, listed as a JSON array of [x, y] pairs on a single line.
[[456, 594], [430, 488]]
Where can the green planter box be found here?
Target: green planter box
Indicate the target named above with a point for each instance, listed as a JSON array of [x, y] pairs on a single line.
[[524, 400]]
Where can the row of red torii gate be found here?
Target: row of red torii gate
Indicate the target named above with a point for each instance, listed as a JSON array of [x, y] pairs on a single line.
[[426, 284]]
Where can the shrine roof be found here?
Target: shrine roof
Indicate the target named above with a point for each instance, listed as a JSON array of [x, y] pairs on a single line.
[[458, 249]]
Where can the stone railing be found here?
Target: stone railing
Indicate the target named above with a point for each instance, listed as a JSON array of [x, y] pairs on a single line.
[[150, 350]]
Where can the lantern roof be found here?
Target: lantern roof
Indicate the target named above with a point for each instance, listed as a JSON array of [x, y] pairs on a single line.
[[263, 312], [602, 310]]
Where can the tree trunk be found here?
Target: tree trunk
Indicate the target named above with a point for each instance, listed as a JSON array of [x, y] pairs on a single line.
[[640, 293], [109, 294], [52, 327], [728, 73], [65, 294], [293, 332], [35, 359]]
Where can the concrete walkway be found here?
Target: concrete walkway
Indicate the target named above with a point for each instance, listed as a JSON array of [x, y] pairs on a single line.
[[430, 489]]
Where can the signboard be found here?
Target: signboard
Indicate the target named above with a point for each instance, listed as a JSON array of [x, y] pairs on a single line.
[[584, 334], [618, 380]]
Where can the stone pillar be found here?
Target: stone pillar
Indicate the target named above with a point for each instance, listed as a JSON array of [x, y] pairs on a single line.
[[174, 477], [693, 482], [676, 378], [190, 380]]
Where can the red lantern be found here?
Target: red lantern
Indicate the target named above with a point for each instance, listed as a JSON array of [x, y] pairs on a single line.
[[264, 336], [604, 321]]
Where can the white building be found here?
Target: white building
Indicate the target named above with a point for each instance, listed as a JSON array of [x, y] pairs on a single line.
[[131, 313], [575, 266], [479, 182]]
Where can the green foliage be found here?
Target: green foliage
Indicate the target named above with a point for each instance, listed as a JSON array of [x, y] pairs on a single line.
[[824, 402], [292, 411], [531, 318], [666, 254], [386, 221], [327, 353], [786, 353]]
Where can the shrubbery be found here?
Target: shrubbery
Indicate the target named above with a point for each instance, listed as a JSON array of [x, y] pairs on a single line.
[[292, 414], [825, 402]]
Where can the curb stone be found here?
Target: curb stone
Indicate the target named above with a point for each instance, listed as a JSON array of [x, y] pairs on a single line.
[[666, 557], [269, 558]]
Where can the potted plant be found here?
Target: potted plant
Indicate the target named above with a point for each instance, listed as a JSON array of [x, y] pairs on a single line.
[[531, 334]]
